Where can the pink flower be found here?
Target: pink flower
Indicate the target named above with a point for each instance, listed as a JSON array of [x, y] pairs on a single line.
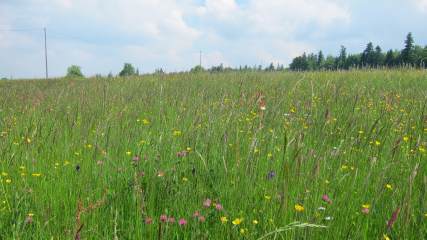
[[145, 157], [196, 215], [158, 155], [173, 169], [143, 173], [365, 210], [29, 219], [163, 218], [218, 207], [171, 220], [182, 222], [201, 219], [207, 203], [329, 200], [179, 153], [120, 170], [133, 163], [216, 200], [183, 153], [100, 163], [148, 220], [160, 172], [325, 198], [136, 159]]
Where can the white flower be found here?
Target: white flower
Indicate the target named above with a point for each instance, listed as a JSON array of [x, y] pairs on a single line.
[[329, 218], [262, 108], [286, 114], [321, 208]]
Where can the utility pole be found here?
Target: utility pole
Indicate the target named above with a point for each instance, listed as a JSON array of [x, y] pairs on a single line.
[[200, 58], [45, 51]]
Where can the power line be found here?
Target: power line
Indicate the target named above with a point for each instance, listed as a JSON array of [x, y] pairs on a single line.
[[21, 30]]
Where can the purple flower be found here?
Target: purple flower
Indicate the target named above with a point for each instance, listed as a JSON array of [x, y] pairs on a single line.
[[207, 203], [218, 207], [325, 198], [329, 200], [145, 157], [196, 215], [183, 153], [270, 175], [29, 219], [158, 155], [120, 170], [143, 173], [163, 218], [182, 222], [365, 210], [136, 159], [171, 220], [179, 153], [201, 219], [100, 163], [160, 172]]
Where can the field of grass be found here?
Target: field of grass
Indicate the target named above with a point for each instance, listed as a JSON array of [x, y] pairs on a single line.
[[197, 156]]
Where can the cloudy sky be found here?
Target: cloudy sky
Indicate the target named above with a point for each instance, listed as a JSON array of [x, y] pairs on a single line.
[[169, 34]]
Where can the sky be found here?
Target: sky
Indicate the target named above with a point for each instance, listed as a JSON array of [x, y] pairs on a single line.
[[101, 35]]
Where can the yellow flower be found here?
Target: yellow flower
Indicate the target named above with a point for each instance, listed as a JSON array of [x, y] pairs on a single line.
[[386, 238], [224, 219], [242, 231], [185, 179], [406, 138], [36, 174], [56, 164], [267, 197], [67, 163], [232, 182], [188, 149], [8, 181], [28, 140], [270, 155], [3, 209], [256, 151], [378, 143], [89, 146], [23, 174], [388, 186], [344, 167], [77, 153], [4, 174], [160, 175], [360, 132], [128, 153], [317, 214], [21, 167], [237, 221], [271, 130], [327, 182], [213, 204], [299, 208], [352, 168], [366, 206], [307, 191], [230, 144], [30, 214], [255, 222]]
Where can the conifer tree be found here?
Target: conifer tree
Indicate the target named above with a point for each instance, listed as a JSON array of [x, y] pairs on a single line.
[[408, 51]]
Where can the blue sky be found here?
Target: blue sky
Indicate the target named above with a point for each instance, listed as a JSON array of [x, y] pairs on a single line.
[[232, 32]]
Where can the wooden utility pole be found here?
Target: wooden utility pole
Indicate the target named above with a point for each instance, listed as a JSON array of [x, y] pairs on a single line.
[[45, 51]]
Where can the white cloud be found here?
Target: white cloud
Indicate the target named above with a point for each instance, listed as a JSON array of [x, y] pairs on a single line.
[[422, 5]]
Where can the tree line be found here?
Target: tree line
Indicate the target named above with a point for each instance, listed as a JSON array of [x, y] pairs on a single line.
[[412, 55]]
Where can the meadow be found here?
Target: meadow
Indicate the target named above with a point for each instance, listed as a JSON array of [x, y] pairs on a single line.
[[274, 155]]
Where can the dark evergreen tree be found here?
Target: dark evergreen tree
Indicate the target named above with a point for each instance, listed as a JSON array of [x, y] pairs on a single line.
[[389, 59], [365, 55], [320, 58], [378, 57], [408, 51], [137, 72], [342, 58], [422, 60]]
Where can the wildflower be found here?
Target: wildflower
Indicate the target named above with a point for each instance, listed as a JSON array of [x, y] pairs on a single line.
[[182, 222], [344, 167], [185, 179], [77, 168], [270, 175], [171, 220], [406, 138], [183, 153], [24, 167], [100, 163], [216, 200], [232, 182], [128, 153], [385, 237], [179, 153], [267, 197], [136, 158], [378, 143], [224, 219], [4, 174], [207, 203], [66, 163], [28, 140], [196, 215], [8, 181], [143, 173], [365, 210], [29, 220], [352, 168], [218, 207], [242, 230], [237, 221], [270, 155], [76, 153], [120, 170], [299, 208], [321, 208], [160, 173], [388, 186], [329, 200], [329, 218], [360, 132], [201, 219], [256, 151], [145, 157], [325, 198], [163, 218], [30, 214], [148, 220], [89, 146], [317, 214], [366, 206], [255, 222], [327, 182]]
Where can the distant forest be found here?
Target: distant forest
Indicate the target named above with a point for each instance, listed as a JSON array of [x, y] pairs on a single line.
[[411, 55]]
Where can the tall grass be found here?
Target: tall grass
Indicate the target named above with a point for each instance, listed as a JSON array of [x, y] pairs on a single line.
[[332, 143]]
